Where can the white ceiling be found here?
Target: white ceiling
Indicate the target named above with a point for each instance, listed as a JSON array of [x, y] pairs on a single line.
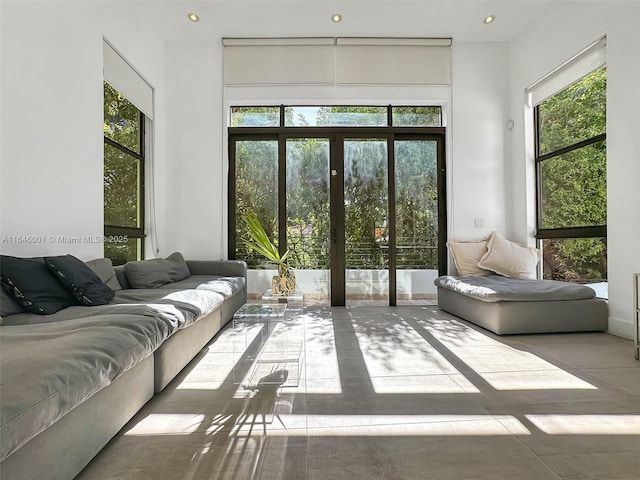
[[460, 19]]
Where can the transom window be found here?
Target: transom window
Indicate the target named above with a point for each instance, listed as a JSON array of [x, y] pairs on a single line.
[[336, 116]]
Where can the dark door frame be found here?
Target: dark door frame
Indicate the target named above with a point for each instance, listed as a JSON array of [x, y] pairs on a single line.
[[336, 135]]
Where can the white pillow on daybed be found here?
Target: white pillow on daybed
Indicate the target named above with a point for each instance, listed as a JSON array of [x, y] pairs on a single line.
[[466, 255], [509, 258]]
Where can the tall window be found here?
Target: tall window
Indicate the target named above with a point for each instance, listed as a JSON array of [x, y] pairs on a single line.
[[571, 161], [123, 178]]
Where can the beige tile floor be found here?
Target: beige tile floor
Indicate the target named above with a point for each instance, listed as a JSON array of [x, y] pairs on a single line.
[[390, 393]]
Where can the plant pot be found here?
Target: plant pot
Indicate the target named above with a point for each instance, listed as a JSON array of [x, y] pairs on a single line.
[[283, 284]]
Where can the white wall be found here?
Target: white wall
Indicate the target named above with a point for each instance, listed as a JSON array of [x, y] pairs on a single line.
[[481, 140], [546, 44], [52, 141], [51, 155], [195, 181]]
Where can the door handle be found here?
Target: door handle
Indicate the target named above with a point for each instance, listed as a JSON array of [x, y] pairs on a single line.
[[334, 236]]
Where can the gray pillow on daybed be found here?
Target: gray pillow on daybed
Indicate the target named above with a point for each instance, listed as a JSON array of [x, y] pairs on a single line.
[[156, 272]]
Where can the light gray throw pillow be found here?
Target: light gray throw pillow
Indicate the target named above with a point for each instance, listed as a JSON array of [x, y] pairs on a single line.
[[156, 272], [104, 269]]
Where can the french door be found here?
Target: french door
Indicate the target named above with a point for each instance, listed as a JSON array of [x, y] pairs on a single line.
[[361, 213]]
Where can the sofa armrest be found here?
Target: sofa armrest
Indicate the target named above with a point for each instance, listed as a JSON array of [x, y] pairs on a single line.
[[229, 268]]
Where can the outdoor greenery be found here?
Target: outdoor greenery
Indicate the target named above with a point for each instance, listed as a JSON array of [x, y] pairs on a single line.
[[258, 241], [366, 204], [121, 173], [416, 204], [308, 226], [365, 189], [257, 190], [573, 185]]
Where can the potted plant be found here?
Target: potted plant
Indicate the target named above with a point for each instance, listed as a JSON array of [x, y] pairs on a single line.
[[284, 283]]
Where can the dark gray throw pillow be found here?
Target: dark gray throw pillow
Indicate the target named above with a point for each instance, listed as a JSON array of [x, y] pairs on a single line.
[[31, 284], [156, 272], [8, 305], [83, 283]]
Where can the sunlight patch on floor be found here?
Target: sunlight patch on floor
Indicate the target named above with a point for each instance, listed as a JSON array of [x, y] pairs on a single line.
[[388, 425], [500, 365], [322, 371], [167, 423], [587, 424], [397, 349], [556, 379], [453, 333], [422, 384]]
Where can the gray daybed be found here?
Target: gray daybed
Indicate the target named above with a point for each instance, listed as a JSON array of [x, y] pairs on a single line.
[[509, 306], [72, 380]]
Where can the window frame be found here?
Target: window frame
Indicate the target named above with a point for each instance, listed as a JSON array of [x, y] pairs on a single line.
[[121, 230], [389, 132], [589, 231]]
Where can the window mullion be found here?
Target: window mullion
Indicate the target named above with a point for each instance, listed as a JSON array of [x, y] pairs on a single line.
[[571, 148]]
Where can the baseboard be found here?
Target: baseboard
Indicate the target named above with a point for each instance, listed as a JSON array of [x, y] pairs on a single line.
[[621, 328]]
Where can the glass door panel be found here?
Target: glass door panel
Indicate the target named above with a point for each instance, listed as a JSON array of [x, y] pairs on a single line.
[[416, 204], [308, 215], [256, 163], [366, 221]]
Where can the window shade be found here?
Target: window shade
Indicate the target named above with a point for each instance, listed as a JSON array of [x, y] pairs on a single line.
[[590, 59], [399, 61], [126, 80], [278, 61], [329, 61]]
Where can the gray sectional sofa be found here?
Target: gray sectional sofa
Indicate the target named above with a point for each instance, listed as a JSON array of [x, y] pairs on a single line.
[[71, 380]]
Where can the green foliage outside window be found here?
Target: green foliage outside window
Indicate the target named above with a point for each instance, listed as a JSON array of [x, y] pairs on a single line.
[[121, 119], [574, 184], [308, 225], [122, 175], [257, 190], [366, 202]]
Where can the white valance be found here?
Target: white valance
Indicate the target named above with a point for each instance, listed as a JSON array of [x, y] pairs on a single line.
[[342, 60], [125, 79], [582, 64]]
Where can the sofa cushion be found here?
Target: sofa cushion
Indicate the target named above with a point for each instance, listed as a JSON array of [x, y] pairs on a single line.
[[83, 283], [510, 258], [104, 269], [466, 255], [225, 286], [496, 288], [30, 282], [156, 272]]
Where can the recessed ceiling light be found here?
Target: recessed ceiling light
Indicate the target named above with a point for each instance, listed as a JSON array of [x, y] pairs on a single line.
[[193, 17], [489, 19], [336, 18]]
